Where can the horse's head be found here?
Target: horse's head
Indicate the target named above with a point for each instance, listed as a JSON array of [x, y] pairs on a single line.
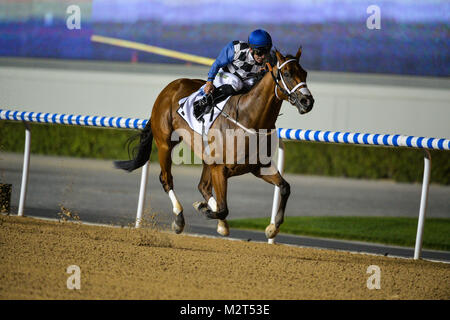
[[291, 82]]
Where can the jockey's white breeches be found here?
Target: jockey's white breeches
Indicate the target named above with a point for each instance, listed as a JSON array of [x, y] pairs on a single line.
[[223, 77]]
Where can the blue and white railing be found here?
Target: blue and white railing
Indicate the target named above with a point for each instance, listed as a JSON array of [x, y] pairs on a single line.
[[75, 120], [388, 140]]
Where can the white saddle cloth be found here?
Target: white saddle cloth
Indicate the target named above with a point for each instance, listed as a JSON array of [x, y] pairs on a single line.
[[186, 111]]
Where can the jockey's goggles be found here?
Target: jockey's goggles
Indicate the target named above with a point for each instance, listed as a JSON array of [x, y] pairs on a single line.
[[261, 51]]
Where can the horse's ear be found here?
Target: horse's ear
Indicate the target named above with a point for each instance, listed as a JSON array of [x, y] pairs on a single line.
[[299, 53], [279, 56]]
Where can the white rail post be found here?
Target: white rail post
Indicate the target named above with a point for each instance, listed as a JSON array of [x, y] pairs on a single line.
[[25, 170], [276, 192], [142, 191], [423, 204]]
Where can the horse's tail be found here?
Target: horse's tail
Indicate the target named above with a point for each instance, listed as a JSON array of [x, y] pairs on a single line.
[[141, 153]]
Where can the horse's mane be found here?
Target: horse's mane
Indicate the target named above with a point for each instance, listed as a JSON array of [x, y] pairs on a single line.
[[272, 58]]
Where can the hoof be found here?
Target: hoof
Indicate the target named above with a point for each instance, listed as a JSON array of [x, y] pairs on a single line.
[[222, 228], [198, 205], [176, 228], [178, 224], [271, 231], [202, 207]]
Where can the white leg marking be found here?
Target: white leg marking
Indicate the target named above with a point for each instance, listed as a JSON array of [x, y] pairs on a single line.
[[212, 204], [177, 208]]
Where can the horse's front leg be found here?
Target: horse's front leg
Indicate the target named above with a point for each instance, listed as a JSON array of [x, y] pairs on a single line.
[[215, 209], [285, 190], [205, 188]]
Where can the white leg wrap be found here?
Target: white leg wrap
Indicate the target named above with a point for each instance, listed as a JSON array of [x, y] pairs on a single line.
[[212, 204], [177, 208]]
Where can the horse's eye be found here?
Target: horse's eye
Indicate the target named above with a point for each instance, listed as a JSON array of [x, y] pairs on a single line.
[[286, 74]]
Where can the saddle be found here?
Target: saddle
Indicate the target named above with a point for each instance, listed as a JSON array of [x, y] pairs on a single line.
[[199, 124]]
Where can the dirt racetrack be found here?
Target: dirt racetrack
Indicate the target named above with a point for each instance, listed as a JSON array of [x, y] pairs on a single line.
[[127, 263]]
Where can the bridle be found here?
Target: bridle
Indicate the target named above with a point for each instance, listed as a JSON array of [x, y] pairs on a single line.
[[302, 85], [303, 90]]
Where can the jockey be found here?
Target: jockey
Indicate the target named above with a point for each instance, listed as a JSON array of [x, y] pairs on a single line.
[[235, 69]]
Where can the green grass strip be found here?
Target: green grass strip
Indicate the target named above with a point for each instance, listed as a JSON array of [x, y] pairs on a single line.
[[399, 231]]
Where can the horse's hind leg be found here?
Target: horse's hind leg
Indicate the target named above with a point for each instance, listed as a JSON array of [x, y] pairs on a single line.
[[166, 179], [285, 190]]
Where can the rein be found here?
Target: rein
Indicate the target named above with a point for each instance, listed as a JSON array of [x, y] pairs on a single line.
[[236, 122], [240, 125]]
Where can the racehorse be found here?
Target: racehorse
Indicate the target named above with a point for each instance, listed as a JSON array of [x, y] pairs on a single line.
[[257, 109]]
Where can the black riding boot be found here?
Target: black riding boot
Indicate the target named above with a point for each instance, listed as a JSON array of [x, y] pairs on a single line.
[[205, 104]]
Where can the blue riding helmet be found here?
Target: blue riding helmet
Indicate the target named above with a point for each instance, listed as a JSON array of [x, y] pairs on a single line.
[[260, 39]]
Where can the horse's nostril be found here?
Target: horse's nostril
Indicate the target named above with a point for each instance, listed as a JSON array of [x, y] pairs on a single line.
[[304, 101]]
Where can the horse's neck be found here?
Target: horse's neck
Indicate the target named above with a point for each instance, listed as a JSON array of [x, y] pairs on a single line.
[[260, 107]]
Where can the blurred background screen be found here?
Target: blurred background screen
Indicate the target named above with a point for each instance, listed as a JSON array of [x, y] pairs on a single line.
[[413, 39]]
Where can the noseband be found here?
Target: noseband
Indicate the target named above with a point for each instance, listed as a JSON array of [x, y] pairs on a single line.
[[302, 85]]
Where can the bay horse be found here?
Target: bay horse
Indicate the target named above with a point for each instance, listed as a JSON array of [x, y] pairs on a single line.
[[257, 109]]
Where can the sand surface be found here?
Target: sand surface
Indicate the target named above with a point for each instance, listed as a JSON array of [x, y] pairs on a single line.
[[127, 263]]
